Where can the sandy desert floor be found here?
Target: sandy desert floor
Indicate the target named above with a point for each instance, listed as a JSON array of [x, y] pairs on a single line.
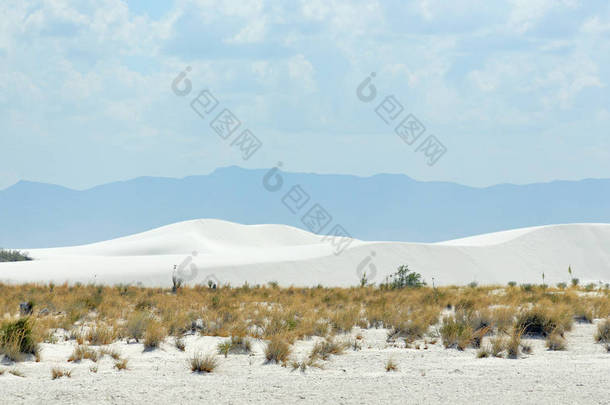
[[580, 375]]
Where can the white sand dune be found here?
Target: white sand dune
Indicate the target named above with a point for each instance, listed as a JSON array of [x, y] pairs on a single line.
[[235, 253]]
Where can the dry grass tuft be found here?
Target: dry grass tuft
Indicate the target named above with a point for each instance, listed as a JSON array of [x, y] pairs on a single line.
[[114, 353], [57, 372], [555, 341], [277, 351], [203, 363], [100, 335], [329, 346], [82, 352], [121, 364], [17, 339], [603, 332], [180, 344], [235, 345], [154, 335], [391, 365]]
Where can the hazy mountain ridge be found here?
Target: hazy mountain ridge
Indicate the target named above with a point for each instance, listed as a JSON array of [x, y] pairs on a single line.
[[380, 207]]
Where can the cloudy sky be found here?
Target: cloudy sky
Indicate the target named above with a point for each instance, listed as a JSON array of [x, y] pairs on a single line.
[[517, 91]]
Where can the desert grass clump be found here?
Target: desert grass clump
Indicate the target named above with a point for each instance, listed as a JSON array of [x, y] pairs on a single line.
[[513, 344], [390, 365], [17, 339], [57, 372], [277, 351], [114, 353], [542, 320], [555, 341], [304, 364], [455, 334], [483, 353], [235, 345], [82, 352], [324, 349], [121, 364], [180, 344], [136, 325], [498, 345], [154, 335], [100, 335], [603, 332], [203, 363]]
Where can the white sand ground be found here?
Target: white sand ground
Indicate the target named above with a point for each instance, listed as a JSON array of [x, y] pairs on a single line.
[[579, 375], [234, 253]]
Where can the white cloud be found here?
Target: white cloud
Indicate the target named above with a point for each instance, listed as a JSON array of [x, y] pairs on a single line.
[[525, 14], [300, 69]]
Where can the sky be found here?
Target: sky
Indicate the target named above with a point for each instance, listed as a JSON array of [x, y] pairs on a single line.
[[515, 91]]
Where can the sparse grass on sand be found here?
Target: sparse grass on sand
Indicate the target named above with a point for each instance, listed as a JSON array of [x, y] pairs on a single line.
[[490, 317]]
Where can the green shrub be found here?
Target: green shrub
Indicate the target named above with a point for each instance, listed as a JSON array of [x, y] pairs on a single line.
[[13, 256], [405, 278]]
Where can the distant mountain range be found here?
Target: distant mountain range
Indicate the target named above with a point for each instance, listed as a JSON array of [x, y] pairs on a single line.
[[380, 207]]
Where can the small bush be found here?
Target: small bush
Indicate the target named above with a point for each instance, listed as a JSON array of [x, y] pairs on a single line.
[[203, 363], [404, 278], [277, 351]]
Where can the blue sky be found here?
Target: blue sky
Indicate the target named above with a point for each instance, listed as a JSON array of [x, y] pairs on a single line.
[[517, 91]]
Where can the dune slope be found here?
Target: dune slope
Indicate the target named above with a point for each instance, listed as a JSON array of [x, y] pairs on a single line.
[[233, 253]]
